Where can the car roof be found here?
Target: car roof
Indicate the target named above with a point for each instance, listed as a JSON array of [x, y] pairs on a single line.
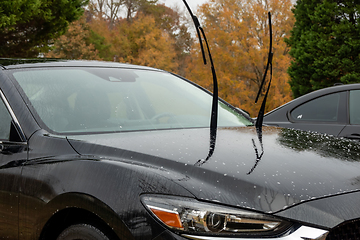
[[318, 93], [16, 63], [328, 90]]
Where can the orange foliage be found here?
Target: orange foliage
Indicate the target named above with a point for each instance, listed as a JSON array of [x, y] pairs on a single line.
[[73, 44], [150, 45], [138, 42], [238, 35], [154, 37]]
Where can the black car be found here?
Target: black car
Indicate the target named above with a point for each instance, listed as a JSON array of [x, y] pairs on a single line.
[[332, 110], [97, 150]]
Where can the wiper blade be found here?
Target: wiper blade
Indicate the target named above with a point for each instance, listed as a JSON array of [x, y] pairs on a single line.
[[200, 32], [259, 120], [215, 99], [197, 27]]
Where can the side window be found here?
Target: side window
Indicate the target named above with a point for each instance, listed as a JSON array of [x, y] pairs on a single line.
[[322, 109], [354, 107], [5, 122]]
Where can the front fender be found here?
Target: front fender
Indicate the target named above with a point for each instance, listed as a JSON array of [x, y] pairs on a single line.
[[65, 205], [109, 189]]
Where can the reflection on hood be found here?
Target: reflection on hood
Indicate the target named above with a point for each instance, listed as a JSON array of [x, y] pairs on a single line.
[[322, 144]]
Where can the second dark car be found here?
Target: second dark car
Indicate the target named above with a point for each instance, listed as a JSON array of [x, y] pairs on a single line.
[[332, 110]]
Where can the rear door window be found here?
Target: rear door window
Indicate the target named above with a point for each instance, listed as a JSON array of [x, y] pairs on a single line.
[[322, 109]]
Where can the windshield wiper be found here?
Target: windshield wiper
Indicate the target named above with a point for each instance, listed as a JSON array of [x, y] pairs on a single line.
[[200, 32], [260, 118], [214, 109]]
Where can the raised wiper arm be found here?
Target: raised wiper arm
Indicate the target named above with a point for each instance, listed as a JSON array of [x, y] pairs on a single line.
[[197, 27], [259, 120], [214, 109], [215, 99]]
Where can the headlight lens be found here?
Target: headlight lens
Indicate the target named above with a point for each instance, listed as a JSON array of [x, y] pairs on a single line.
[[187, 215]]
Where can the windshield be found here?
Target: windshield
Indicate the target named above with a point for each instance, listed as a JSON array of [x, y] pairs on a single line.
[[116, 99]]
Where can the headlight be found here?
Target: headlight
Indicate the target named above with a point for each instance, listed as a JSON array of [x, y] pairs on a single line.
[[187, 215]]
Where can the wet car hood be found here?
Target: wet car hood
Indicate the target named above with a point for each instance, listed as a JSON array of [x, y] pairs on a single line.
[[277, 171]]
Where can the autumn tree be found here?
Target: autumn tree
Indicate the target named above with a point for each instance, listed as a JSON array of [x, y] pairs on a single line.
[[174, 25], [113, 10], [142, 42], [109, 9], [165, 32], [77, 43], [325, 44], [149, 34], [28, 27], [238, 35]]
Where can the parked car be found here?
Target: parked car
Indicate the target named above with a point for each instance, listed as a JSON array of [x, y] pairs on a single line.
[[98, 150], [332, 110]]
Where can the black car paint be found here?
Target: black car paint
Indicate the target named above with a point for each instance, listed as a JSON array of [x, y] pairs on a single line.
[[283, 170], [52, 182], [106, 174], [341, 128], [272, 186]]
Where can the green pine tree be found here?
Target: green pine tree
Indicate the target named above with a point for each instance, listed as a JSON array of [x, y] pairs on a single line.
[[325, 44], [28, 27]]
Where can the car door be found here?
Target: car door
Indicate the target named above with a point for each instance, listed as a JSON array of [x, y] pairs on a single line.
[[12, 155], [352, 129], [325, 114]]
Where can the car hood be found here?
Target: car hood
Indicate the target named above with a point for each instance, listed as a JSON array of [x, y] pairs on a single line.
[[272, 171]]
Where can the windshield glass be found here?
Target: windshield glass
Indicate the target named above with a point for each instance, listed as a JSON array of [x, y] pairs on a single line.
[[116, 99]]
